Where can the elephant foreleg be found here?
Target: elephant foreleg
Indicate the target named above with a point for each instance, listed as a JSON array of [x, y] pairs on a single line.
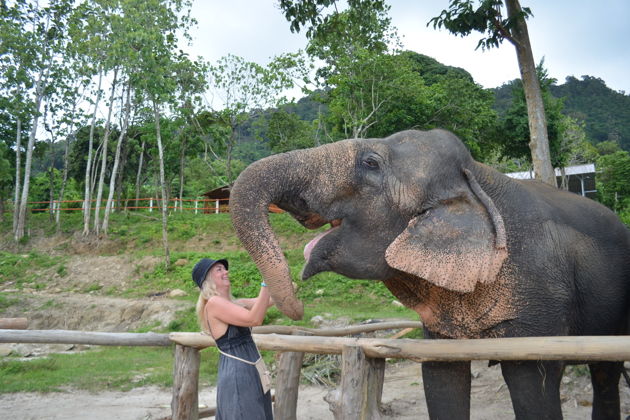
[[534, 388], [605, 380], [447, 389]]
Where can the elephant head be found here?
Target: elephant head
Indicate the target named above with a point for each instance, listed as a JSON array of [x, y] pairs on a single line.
[[409, 203]]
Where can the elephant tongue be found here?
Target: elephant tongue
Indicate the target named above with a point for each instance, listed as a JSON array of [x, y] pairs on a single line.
[[309, 246]]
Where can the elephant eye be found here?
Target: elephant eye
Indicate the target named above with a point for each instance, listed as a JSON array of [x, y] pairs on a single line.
[[370, 163]]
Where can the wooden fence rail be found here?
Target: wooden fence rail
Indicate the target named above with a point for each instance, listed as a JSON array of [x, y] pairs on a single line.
[[611, 348], [362, 363]]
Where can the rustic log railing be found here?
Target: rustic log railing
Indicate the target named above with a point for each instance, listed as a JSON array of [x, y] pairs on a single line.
[[362, 363]]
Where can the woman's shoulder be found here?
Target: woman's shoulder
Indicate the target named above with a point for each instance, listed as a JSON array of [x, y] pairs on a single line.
[[218, 301]]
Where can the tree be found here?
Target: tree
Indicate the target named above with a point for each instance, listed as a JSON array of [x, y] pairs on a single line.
[[286, 131], [243, 86], [16, 66], [462, 18], [90, 36], [613, 172], [514, 142], [112, 178], [42, 36], [151, 36], [353, 44]]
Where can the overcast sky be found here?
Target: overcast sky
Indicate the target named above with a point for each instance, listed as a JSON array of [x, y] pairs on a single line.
[[576, 37]]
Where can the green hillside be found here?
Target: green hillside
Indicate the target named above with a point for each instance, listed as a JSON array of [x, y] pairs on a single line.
[[605, 112]]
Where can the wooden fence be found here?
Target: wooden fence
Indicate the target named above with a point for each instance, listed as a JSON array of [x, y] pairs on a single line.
[[196, 205], [363, 359]]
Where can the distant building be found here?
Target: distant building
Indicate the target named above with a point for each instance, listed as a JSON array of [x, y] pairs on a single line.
[[580, 178], [217, 200], [220, 199]]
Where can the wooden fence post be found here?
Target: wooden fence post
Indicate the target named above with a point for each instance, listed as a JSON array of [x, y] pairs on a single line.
[[185, 402], [360, 392], [13, 323], [287, 385]]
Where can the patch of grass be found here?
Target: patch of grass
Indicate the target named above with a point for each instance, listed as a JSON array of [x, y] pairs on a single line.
[[62, 271], [111, 368], [51, 303], [7, 301], [92, 288], [25, 268], [579, 370]]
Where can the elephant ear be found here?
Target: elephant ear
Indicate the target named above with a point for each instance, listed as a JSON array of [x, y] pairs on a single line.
[[455, 245]]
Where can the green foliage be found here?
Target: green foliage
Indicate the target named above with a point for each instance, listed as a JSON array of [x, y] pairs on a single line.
[[606, 113], [286, 131], [602, 112], [461, 18], [514, 142], [612, 180]]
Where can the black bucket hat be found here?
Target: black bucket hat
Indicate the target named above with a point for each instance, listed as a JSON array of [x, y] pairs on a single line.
[[201, 269]]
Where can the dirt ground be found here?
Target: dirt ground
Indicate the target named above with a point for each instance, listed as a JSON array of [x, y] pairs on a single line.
[[64, 304], [403, 399]]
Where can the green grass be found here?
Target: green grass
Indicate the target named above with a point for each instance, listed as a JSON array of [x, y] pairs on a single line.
[[103, 368], [139, 234], [24, 269]]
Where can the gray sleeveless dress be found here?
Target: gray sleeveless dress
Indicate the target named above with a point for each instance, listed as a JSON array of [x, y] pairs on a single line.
[[239, 392]]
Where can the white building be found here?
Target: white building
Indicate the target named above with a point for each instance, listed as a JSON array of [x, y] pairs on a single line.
[[580, 178]]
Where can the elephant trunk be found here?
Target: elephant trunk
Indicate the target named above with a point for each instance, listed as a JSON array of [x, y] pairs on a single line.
[[255, 189], [287, 180]]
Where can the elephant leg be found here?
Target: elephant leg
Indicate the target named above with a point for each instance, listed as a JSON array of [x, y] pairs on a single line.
[[447, 389], [605, 379], [534, 388]]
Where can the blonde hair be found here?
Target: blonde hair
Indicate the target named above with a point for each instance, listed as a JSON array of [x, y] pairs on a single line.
[[208, 289]]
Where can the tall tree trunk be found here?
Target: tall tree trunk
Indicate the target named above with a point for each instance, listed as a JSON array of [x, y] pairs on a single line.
[[112, 178], [101, 178], [39, 95], [64, 176], [139, 173], [88, 191], [119, 178], [51, 174], [228, 157], [64, 179], [539, 142], [18, 167], [182, 162], [51, 181], [96, 164], [158, 134]]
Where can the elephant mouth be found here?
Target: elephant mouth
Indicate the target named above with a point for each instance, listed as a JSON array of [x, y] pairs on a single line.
[[314, 221]]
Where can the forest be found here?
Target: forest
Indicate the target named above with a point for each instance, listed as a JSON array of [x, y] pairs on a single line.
[[99, 107]]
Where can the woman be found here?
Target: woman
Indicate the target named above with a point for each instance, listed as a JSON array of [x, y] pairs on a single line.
[[240, 389]]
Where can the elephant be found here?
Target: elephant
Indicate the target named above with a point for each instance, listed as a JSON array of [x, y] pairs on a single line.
[[474, 252]]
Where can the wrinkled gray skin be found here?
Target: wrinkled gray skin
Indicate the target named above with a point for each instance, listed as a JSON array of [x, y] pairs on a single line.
[[475, 253]]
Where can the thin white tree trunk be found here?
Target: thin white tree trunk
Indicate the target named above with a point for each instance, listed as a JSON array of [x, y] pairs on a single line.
[[39, 95], [88, 191], [101, 178], [182, 161], [64, 180], [139, 173], [18, 169], [64, 177], [112, 179], [158, 134], [51, 175]]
